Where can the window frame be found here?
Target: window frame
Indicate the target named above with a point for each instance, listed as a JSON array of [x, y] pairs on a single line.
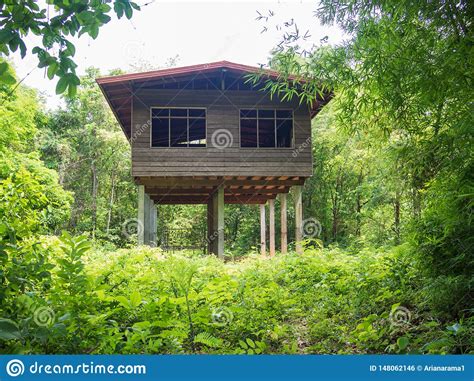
[[169, 126], [275, 109]]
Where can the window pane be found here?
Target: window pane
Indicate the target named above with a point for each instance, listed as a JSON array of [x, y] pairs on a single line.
[[266, 113], [179, 112], [159, 132], [283, 114], [160, 111], [266, 133], [284, 133], [197, 132], [198, 112], [179, 134], [248, 132], [248, 113], [179, 127]]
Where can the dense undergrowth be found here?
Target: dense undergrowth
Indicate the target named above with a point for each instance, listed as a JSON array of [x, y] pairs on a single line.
[[82, 300]]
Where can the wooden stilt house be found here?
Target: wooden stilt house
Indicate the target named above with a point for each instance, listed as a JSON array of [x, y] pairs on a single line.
[[203, 135]]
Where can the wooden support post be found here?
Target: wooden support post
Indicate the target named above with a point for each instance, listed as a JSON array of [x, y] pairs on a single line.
[[147, 221], [283, 223], [217, 242], [271, 207], [146, 224], [153, 218], [263, 239], [220, 222], [298, 194], [210, 227], [141, 215]]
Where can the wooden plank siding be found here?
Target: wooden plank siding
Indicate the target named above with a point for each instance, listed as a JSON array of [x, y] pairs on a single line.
[[222, 113]]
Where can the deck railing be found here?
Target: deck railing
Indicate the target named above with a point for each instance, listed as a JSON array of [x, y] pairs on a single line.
[[175, 239]]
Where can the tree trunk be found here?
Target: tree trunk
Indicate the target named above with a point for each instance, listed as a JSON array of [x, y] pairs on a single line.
[[416, 202], [335, 215], [61, 173], [95, 186], [359, 204], [95, 181], [396, 217], [112, 199]]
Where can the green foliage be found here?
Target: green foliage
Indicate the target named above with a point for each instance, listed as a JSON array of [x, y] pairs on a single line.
[[392, 163], [18, 119], [139, 301], [402, 84], [85, 145], [31, 200], [68, 19], [7, 77], [9, 330]]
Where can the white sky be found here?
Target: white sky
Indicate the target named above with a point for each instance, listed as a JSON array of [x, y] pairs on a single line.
[[197, 31]]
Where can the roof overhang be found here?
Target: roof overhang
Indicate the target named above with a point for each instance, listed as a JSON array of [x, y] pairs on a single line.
[[119, 89]]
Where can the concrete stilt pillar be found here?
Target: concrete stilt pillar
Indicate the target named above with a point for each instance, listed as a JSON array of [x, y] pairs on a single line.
[[271, 207], [141, 215], [220, 222], [146, 221], [298, 193], [217, 241], [210, 227], [153, 224], [146, 228], [283, 224], [263, 239]]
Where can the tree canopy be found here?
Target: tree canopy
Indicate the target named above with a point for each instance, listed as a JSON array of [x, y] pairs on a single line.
[[390, 270], [55, 22]]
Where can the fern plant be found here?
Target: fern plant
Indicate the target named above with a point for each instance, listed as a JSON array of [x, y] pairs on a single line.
[[207, 339]]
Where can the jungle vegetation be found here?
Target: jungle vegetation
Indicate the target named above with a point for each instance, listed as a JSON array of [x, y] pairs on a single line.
[[391, 270]]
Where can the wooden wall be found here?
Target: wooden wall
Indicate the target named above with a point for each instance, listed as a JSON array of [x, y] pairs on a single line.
[[222, 112]]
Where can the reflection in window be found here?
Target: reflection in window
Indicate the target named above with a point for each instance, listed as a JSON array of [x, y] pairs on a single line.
[[178, 127]]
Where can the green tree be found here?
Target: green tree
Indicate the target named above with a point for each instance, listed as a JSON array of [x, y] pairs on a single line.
[[84, 143], [404, 76], [55, 22], [31, 198]]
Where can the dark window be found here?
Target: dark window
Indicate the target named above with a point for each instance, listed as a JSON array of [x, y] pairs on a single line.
[[178, 132], [266, 133], [161, 112], [266, 128], [248, 133], [197, 132], [284, 114], [198, 112], [179, 112], [178, 127], [266, 114], [248, 113], [284, 134], [160, 132]]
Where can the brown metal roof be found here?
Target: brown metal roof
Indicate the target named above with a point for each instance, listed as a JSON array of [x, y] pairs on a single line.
[[118, 89]]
